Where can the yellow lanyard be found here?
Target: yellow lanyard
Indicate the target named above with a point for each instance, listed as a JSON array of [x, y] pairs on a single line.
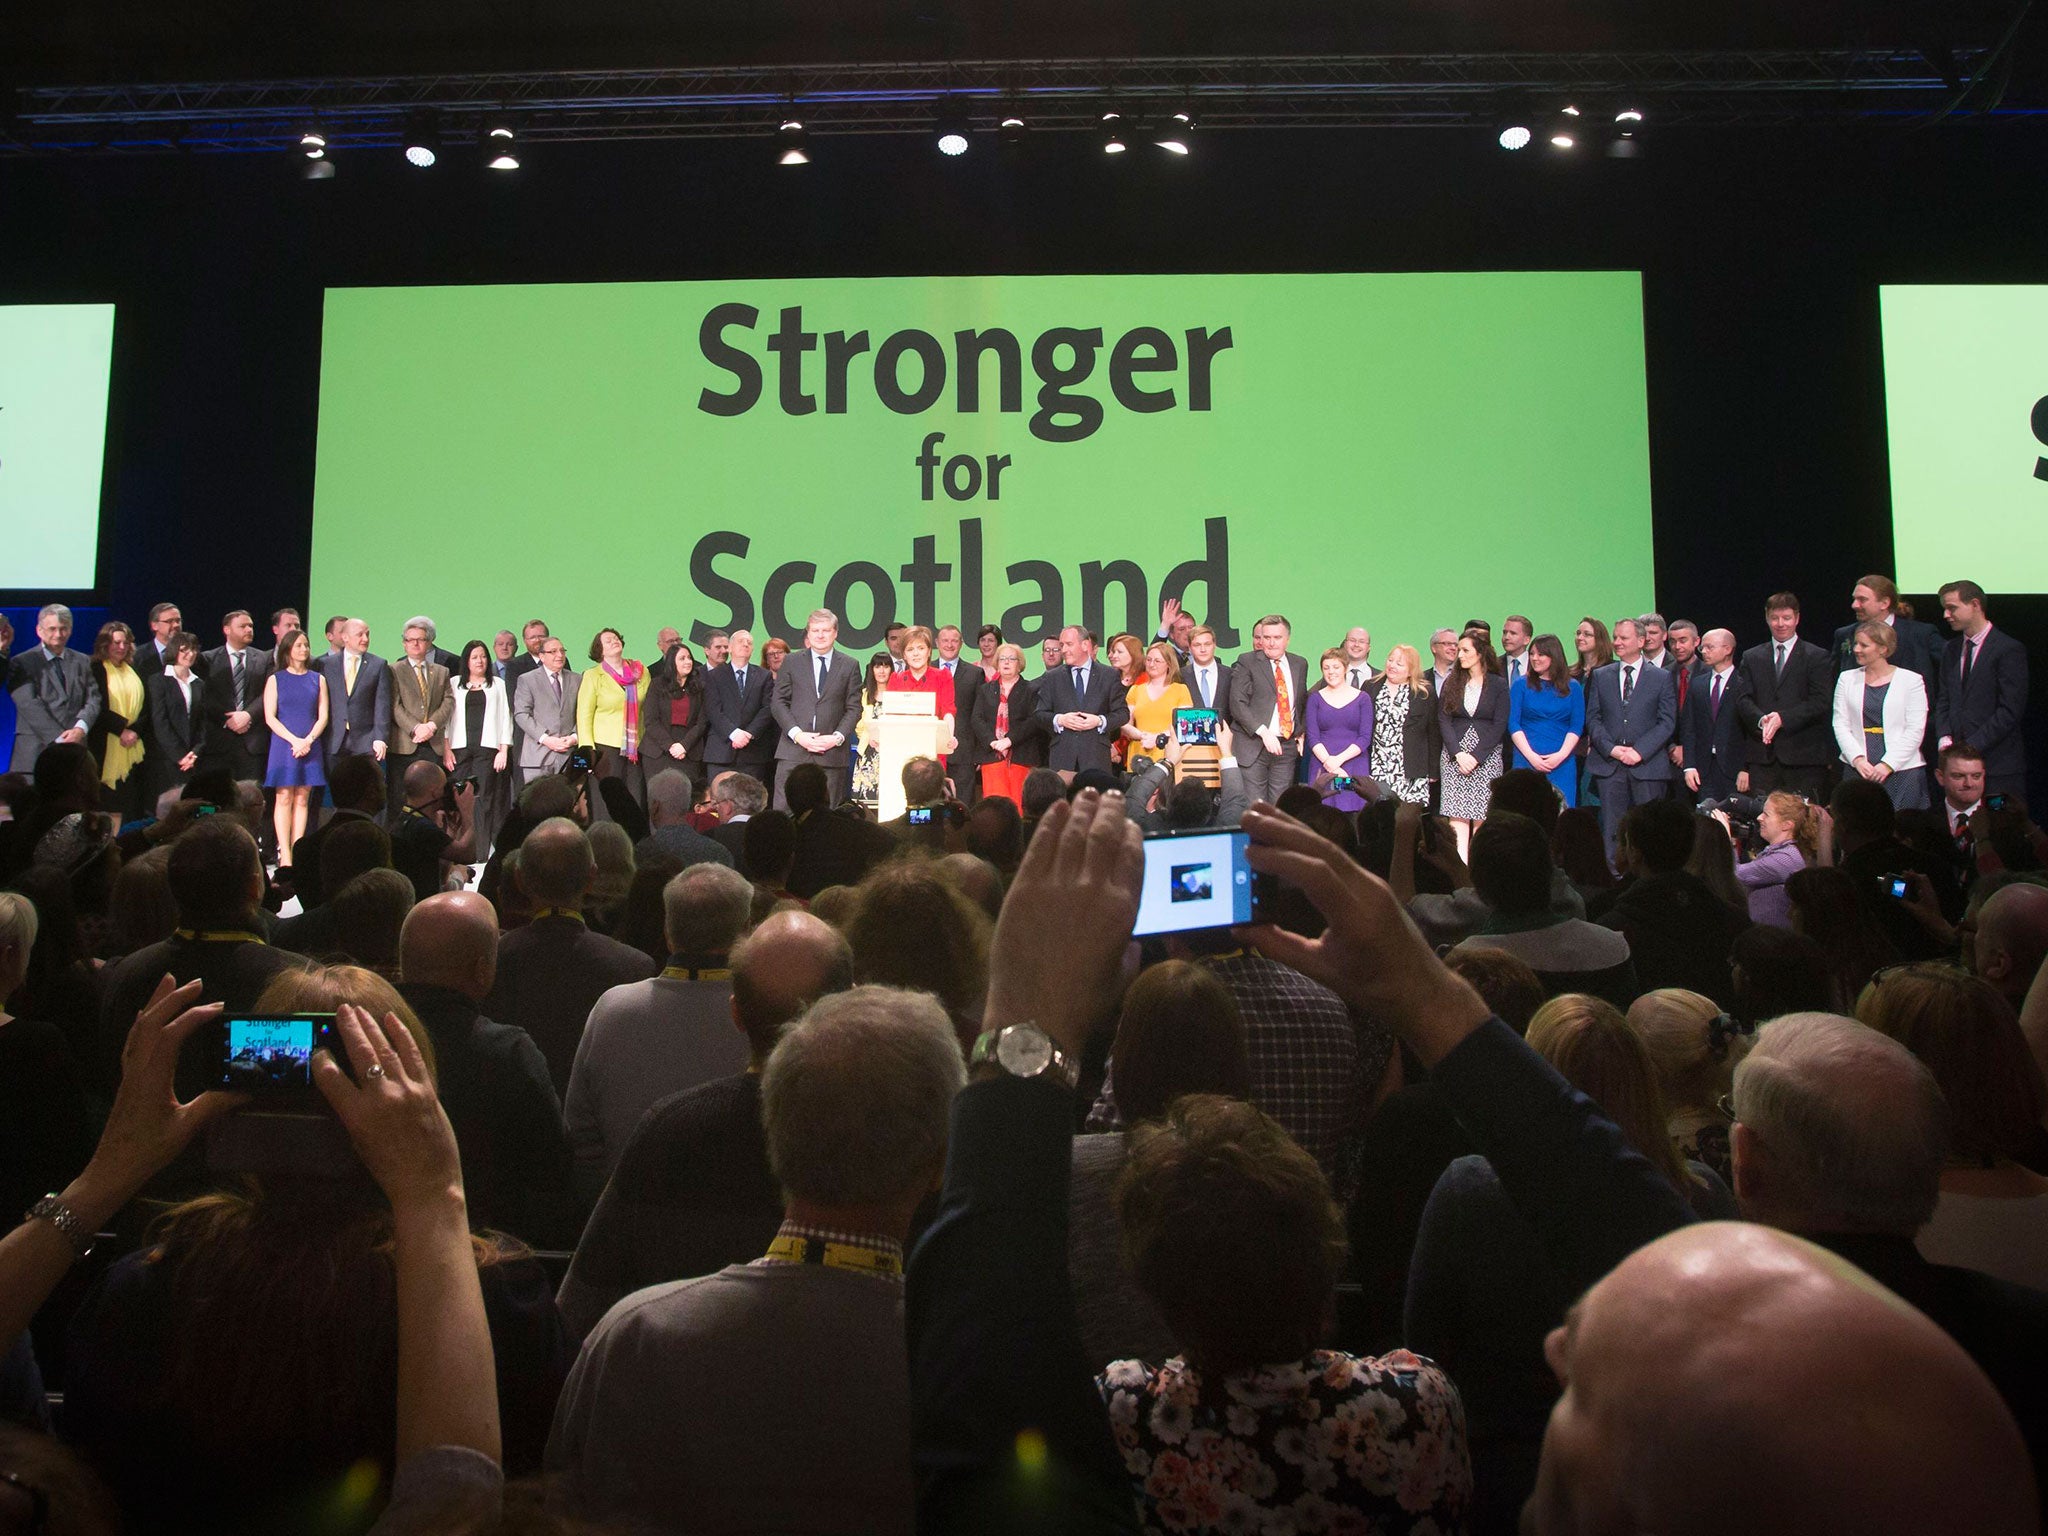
[[694, 973], [217, 936], [574, 917], [791, 1249]]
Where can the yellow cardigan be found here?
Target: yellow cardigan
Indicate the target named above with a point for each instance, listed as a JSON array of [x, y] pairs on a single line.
[[601, 708]]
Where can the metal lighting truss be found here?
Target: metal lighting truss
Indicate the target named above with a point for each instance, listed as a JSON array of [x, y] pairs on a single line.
[[1417, 90]]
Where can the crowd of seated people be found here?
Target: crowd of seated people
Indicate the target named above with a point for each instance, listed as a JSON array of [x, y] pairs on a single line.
[[687, 1150]]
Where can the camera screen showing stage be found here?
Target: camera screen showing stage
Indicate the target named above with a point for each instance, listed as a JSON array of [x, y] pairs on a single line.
[[1195, 882], [1195, 727], [268, 1054]]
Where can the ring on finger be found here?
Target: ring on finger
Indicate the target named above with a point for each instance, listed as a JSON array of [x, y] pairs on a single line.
[[374, 1069]]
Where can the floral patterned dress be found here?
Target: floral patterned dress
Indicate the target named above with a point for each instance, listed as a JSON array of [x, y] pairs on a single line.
[[1333, 1443]]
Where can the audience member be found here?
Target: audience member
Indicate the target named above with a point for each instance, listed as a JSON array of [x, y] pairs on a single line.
[[771, 853], [45, 1125], [680, 1400], [611, 850], [1790, 832], [1713, 862], [1511, 870], [648, 1039], [915, 928], [1580, 849], [995, 832], [64, 986], [644, 917], [1826, 908], [1446, 917], [1776, 971], [692, 1192], [1161, 804], [1694, 1045], [1867, 849], [492, 1078], [735, 797], [1993, 1211], [1179, 1033], [668, 811], [142, 909], [353, 847], [552, 971], [1679, 932], [2010, 943], [368, 913], [1233, 1236], [832, 847], [435, 826], [355, 783], [979, 881]]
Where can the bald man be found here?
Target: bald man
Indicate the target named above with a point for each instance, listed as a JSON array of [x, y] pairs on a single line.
[[1730, 1378], [492, 1077], [2012, 939], [692, 1192], [1709, 728]]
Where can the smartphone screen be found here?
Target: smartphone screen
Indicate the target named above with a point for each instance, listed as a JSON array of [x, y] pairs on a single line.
[[1195, 880], [1195, 727], [920, 815], [273, 1054]]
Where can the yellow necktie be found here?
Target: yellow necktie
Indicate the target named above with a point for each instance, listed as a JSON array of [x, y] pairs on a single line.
[[348, 668]]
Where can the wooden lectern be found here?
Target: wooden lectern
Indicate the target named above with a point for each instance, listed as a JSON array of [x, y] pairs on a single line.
[[909, 727]]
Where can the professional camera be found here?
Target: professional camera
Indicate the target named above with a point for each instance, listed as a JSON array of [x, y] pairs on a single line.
[[1742, 812]]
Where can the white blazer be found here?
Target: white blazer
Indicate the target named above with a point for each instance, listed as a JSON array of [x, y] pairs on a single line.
[[497, 717], [1905, 718]]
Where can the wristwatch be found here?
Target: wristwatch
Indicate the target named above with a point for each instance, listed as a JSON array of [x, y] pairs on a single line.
[[1025, 1050], [64, 1219]]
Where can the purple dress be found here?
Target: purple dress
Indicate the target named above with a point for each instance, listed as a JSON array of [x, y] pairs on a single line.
[[298, 706], [1334, 729]]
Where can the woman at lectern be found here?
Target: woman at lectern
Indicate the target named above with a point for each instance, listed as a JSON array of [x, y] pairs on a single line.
[[920, 676], [867, 767], [608, 701]]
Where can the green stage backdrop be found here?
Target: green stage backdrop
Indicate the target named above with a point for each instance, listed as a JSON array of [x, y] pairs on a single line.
[[1966, 404], [1402, 450], [53, 441]]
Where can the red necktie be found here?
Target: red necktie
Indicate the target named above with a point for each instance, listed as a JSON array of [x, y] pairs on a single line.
[[1280, 692]]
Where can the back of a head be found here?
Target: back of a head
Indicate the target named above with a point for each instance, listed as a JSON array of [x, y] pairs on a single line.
[[1507, 983], [748, 796], [1693, 1045], [1180, 1032], [1231, 1233], [1967, 1035], [215, 873], [2012, 936], [324, 988], [1778, 971], [1527, 793], [1580, 850], [1661, 833], [1190, 803], [1297, 798], [611, 850], [705, 909], [1713, 861], [995, 832], [549, 796], [214, 787], [769, 841], [913, 928], [1597, 1051], [621, 809], [856, 1096], [349, 849], [1862, 812], [979, 881], [143, 908], [356, 782], [1853, 1128], [62, 771], [668, 797], [924, 781], [1730, 1378], [450, 940], [787, 963], [369, 913], [806, 790], [556, 865], [1043, 789], [1511, 866], [423, 782]]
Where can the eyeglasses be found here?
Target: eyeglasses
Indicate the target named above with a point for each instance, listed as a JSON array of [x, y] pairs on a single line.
[[1726, 1104]]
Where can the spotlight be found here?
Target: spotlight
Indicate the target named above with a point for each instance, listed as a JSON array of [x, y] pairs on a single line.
[[790, 136], [1515, 136], [1010, 129], [1564, 133], [951, 128], [312, 142], [318, 170], [1113, 133], [501, 147], [1174, 133], [1624, 145], [422, 140]]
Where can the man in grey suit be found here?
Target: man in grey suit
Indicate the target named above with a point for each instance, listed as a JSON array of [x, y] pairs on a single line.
[[1268, 707], [1631, 713], [55, 698], [358, 696], [544, 709], [816, 702]]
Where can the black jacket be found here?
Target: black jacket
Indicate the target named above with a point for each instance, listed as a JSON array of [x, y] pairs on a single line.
[[1029, 735]]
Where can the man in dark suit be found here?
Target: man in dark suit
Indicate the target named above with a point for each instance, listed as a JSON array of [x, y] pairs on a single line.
[[422, 705], [1081, 703], [964, 765], [1631, 713], [1710, 727], [358, 697], [1983, 691], [1786, 702], [1268, 709], [553, 971], [815, 703], [55, 698], [238, 739], [1919, 649], [739, 712], [153, 656]]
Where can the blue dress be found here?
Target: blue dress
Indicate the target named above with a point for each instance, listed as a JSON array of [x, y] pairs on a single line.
[[1546, 717], [298, 706], [1335, 729]]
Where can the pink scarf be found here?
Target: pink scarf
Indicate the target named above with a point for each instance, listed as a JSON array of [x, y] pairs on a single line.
[[628, 678]]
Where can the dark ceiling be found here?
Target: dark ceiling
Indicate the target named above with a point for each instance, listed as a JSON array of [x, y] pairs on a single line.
[[96, 41]]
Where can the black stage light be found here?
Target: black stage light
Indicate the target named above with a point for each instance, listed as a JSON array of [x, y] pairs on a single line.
[[790, 136]]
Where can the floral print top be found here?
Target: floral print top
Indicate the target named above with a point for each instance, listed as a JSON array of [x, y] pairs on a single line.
[[1334, 1443]]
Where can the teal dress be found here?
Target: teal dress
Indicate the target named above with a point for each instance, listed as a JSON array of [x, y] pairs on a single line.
[[1546, 717]]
